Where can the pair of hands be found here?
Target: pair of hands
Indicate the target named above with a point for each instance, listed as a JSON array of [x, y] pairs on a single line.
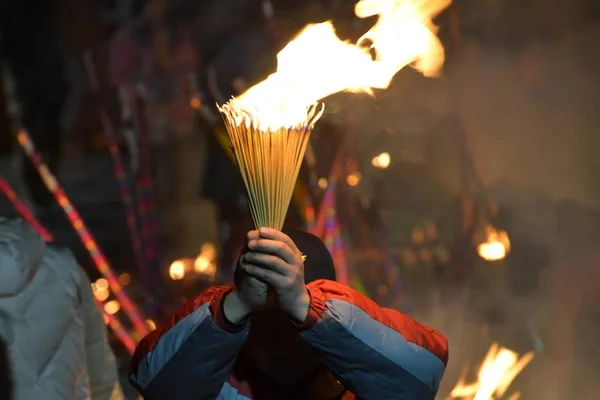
[[272, 262]]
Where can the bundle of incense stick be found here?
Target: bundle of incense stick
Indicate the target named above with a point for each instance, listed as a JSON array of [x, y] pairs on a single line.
[[268, 159]]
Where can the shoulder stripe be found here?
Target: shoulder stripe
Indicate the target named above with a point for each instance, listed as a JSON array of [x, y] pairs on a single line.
[[411, 357], [168, 344]]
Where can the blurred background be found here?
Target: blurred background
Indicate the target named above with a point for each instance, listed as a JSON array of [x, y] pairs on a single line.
[[469, 202]]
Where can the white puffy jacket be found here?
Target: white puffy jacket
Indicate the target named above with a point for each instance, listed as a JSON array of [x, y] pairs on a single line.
[[55, 332]]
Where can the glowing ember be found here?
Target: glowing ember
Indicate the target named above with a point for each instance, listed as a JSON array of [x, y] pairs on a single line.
[[201, 264], [112, 307], [500, 367], [151, 324], [317, 63], [101, 294], [205, 262], [323, 183], [177, 270], [102, 283], [100, 289], [382, 161], [353, 179], [124, 279], [496, 246]]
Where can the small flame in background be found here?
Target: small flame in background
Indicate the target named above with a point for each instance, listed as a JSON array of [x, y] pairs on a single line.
[[178, 269], [500, 367], [316, 63], [382, 161], [496, 246], [203, 265]]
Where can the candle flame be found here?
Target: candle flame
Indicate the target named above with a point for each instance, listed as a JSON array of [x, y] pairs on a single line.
[[316, 63], [496, 246]]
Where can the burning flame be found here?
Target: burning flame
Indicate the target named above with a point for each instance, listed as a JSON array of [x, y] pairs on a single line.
[[382, 161], [500, 367], [205, 262], [496, 246], [177, 270], [317, 63]]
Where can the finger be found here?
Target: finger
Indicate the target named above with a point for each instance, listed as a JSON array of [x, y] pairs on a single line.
[[274, 247], [274, 234], [254, 283], [269, 261], [252, 235], [265, 275]]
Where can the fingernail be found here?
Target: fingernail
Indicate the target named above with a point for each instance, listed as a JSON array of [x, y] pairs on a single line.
[[251, 244], [264, 231]]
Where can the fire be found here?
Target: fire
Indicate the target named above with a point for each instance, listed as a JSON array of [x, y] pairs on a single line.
[[205, 262], [317, 63], [382, 161], [500, 367], [178, 269], [496, 246]]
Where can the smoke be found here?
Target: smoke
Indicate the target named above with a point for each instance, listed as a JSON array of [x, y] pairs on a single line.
[[530, 114], [529, 117]]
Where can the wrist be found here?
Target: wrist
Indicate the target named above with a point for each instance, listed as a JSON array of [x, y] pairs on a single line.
[[235, 309], [302, 307]]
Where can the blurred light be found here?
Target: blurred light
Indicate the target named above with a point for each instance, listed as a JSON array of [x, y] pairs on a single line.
[[195, 103], [112, 307], [209, 251], [102, 283], [151, 324], [382, 161], [496, 246], [101, 294], [125, 279], [323, 183], [431, 231], [201, 264], [425, 255], [353, 179], [177, 270], [418, 236], [408, 257]]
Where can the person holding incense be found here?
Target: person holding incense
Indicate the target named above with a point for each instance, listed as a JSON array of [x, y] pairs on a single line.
[[287, 330]]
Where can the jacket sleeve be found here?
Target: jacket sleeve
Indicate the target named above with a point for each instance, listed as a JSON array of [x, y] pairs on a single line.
[[377, 353], [101, 363], [192, 355]]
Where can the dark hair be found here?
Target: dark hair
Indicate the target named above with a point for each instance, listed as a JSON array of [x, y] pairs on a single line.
[[318, 263], [6, 380]]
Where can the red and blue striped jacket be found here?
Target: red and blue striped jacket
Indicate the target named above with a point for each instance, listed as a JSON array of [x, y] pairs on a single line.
[[376, 353]]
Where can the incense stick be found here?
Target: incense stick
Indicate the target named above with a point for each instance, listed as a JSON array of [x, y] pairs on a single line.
[[120, 174], [269, 160], [84, 234]]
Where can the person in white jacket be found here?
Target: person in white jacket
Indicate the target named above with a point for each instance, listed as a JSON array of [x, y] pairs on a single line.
[[54, 332]]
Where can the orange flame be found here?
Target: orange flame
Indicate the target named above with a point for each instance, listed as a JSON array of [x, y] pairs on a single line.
[[316, 63], [205, 262], [500, 367], [496, 246]]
